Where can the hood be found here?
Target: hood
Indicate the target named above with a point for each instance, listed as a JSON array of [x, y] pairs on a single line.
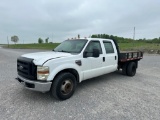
[[41, 57]]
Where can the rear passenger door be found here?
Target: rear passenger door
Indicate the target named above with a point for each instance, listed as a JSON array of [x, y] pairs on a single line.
[[110, 57]]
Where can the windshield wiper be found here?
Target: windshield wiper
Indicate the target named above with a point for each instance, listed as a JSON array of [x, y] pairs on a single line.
[[63, 51]]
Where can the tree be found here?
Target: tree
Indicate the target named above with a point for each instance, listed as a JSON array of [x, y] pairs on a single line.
[[78, 36], [40, 40], [46, 40], [14, 39]]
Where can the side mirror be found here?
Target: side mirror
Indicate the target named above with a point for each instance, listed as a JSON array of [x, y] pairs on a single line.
[[85, 54], [96, 53]]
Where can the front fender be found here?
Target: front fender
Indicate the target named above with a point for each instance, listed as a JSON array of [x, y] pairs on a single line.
[[60, 68]]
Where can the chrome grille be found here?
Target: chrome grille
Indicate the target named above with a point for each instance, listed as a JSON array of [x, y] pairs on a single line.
[[26, 68]]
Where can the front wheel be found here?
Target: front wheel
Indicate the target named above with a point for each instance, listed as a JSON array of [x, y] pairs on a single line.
[[63, 86]]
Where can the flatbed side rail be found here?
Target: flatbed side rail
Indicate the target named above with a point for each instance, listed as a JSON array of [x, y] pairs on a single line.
[[128, 56]]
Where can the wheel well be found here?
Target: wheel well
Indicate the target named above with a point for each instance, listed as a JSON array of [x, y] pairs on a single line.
[[73, 71]]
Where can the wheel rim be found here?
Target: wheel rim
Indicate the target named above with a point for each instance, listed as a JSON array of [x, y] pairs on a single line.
[[66, 87], [133, 70]]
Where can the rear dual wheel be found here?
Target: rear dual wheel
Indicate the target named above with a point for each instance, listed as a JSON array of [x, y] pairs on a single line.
[[129, 69]]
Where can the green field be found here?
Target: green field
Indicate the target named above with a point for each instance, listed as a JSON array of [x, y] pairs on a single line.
[[132, 46], [48, 46], [143, 46]]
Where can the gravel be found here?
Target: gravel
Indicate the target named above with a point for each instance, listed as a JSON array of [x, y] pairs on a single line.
[[111, 96]]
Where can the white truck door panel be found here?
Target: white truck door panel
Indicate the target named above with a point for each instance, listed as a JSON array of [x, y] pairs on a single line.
[[111, 59], [95, 63], [109, 63], [95, 67]]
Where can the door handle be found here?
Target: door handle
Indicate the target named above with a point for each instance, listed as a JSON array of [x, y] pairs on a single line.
[[103, 59], [115, 57]]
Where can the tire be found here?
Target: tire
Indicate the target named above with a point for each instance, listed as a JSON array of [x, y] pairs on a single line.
[[63, 86], [124, 69], [131, 69]]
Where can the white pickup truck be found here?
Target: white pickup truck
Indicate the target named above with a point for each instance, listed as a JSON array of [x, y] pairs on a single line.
[[71, 62]]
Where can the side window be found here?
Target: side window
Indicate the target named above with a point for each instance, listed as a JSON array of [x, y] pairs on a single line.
[[108, 47], [93, 45]]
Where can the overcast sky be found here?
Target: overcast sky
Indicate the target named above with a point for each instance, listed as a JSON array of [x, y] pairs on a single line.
[[62, 19]]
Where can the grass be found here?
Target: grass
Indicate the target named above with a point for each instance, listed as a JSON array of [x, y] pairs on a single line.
[[143, 46], [49, 46]]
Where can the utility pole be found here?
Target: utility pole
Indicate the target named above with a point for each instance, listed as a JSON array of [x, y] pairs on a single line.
[[134, 34], [52, 38], [8, 41]]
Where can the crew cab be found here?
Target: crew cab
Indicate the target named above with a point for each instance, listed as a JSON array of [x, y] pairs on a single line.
[[73, 61]]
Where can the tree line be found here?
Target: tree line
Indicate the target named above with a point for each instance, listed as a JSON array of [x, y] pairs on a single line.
[[15, 39], [124, 40], [40, 40]]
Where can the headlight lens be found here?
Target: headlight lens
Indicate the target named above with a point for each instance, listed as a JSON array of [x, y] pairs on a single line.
[[42, 72]]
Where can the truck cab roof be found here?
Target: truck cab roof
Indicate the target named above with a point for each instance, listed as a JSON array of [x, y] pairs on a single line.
[[89, 39]]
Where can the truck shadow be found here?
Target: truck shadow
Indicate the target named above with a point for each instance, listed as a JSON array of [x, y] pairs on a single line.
[[46, 98], [104, 79], [29, 95]]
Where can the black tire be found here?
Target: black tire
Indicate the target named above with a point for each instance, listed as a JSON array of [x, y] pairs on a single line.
[[124, 69], [131, 69], [63, 86]]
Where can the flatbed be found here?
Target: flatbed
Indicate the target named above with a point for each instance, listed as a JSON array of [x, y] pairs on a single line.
[[130, 56]]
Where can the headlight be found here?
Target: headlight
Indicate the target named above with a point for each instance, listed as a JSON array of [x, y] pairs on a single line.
[[42, 72]]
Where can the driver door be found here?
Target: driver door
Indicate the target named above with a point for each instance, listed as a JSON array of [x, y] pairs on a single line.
[[92, 65]]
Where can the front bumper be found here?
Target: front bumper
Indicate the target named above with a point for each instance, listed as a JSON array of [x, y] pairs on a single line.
[[34, 85]]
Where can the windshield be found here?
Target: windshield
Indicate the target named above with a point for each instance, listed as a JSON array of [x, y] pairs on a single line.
[[71, 46]]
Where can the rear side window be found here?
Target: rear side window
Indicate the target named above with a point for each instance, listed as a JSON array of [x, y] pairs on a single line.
[[108, 47]]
